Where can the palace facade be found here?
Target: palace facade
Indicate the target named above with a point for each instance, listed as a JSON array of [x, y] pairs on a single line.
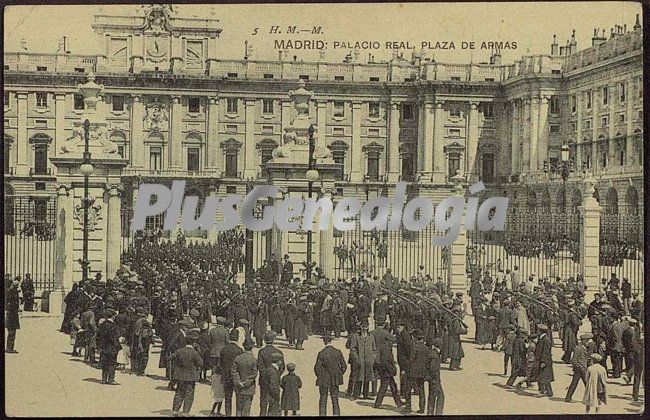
[[178, 111]]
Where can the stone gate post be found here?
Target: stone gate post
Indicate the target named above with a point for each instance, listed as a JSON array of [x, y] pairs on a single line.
[[590, 238], [457, 260]]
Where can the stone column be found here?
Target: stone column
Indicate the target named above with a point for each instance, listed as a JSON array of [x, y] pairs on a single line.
[[356, 175], [525, 136], [590, 238], [439, 144], [457, 261], [514, 137], [59, 109], [393, 141], [471, 171], [137, 134], [212, 139], [534, 134], [629, 139], [251, 165], [22, 165], [580, 144], [65, 228], [113, 230], [426, 147], [321, 119], [326, 246], [176, 141], [542, 148]]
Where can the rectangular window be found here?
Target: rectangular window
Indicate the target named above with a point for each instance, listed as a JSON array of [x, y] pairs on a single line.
[[554, 128], [639, 114], [488, 110], [267, 106], [374, 79], [339, 157], [193, 159], [231, 164], [407, 112], [373, 166], [303, 77], [605, 94], [454, 112], [41, 99], [118, 103], [621, 92], [268, 75], [454, 132], [556, 71], [232, 75], [79, 102], [555, 105], [155, 158], [489, 79], [454, 164], [79, 70], [588, 95], [338, 131], [373, 110], [5, 98], [373, 132], [455, 78], [339, 78], [574, 126], [639, 87], [621, 118], [266, 155], [41, 68], [40, 123], [120, 151], [587, 124], [339, 109], [231, 128], [604, 121], [231, 105], [194, 105], [40, 159], [231, 189], [574, 103]]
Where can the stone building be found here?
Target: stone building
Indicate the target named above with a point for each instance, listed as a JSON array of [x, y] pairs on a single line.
[[176, 110]]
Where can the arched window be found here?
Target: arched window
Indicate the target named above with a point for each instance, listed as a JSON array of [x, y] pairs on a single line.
[[611, 202], [632, 201], [266, 148]]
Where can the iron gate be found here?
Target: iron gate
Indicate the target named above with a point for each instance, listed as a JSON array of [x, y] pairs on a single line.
[[29, 233], [403, 251], [621, 248], [543, 244]]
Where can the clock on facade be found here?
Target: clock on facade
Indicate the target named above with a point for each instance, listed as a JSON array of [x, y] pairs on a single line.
[[157, 49]]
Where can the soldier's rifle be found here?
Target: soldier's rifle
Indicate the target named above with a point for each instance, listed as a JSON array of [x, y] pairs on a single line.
[[439, 306], [432, 303], [538, 302]]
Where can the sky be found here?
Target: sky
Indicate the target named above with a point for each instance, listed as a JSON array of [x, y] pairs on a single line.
[[530, 25]]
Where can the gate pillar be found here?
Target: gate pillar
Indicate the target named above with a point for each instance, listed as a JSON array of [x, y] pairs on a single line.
[[326, 249], [590, 239], [457, 269]]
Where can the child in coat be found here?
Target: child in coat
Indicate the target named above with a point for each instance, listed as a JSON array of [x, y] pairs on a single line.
[[291, 385], [507, 347], [216, 383]]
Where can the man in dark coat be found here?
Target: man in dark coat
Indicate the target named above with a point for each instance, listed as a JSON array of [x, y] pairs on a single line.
[[403, 354], [244, 371], [416, 370], [218, 339], [272, 383], [108, 341], [329, 369], [580, 362], [386, 370], [287, 270], [542, 371], [569, 332], [456, 352], [518, 357], [13, 319], [436, 395], [226, 357], [187, 367], [27, 287], [178, 340], [264, 360], [70, 301]]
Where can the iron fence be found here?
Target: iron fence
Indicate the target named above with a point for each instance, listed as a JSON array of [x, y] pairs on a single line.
[[29, 239], [621, 248]]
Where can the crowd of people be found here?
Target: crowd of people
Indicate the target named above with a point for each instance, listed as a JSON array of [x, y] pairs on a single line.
[[185, 297]]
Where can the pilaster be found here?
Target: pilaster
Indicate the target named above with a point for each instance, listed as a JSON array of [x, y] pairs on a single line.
[[356, 175], [137, 135], [590, 238], [393, 140], [471, 170], [211, 141], [176, 141], [59, 109], [22, 165], [250, 164], [439, 144]]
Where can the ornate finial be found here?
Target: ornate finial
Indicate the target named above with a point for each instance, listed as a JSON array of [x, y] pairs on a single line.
[[590, 185]]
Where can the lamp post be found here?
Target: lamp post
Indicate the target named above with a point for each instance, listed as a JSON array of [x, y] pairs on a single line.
[[86, 170], [248, 276], [565, 170], [312, 176]]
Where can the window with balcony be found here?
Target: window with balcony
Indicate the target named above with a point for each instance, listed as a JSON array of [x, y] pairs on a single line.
[[41, 68], [574, 103], [231, 164], [79, 102], [155, 158], [373, 152], [339, 109], [605, 94], [373, 79], [41, 100], [231, 105], [267, 106], [339, 78], [118, 103], [604, 121], [266, 148], [407, 112], [194, 105], [339, 149], [193, 159], [268, 75], [588, 97], [373, 110]]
